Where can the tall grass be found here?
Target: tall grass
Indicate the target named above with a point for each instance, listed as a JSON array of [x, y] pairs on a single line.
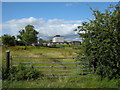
[[17, 81], [20, 73], [88, 81]]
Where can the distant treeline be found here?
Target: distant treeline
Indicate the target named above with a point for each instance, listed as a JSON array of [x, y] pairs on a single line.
[[26, 37]]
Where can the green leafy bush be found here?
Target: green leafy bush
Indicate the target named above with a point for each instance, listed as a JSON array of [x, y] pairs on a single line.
[[8, 40], [101, 42], [21, 73]]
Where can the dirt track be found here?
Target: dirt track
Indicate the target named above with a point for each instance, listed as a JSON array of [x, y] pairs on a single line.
[[53, 60]]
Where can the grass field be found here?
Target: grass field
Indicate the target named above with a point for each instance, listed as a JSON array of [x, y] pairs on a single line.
[[44, 52], [88, 81], [82, 81]]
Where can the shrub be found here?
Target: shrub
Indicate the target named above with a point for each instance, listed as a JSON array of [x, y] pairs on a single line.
[[8, 40], [101, 42], [21, 73]]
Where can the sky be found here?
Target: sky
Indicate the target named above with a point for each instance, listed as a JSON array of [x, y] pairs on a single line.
[[49, 18], [60, 0]]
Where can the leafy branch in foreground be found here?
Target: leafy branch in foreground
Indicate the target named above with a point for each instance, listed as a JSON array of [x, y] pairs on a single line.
[[101, 42]]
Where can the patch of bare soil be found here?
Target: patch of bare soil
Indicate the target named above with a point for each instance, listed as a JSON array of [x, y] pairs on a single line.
[[53, 60]]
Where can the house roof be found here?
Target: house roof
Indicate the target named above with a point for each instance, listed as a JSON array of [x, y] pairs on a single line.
[[58, 36]]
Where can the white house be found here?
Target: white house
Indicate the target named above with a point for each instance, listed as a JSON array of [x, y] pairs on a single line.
[[58, 38]]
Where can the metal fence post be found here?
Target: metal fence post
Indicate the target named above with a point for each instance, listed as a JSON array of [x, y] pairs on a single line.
[[8, 59]]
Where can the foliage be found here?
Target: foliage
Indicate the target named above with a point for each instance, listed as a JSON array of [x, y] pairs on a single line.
[[20, 73], [8, 40], [101, 42], [0, 40], [87, 81], [28, 35]]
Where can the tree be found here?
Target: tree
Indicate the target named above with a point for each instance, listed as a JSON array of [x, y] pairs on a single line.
[[0, 41], [8, 40], [101, 42], [28, 35]]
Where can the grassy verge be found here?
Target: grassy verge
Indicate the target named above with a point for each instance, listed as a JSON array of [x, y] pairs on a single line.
[[88, 81]]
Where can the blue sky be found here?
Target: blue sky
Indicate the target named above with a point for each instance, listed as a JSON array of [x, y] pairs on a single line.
[[49, 18], [50, 10]]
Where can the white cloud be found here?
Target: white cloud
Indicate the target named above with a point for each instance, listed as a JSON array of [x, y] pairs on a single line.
[[46, 28]]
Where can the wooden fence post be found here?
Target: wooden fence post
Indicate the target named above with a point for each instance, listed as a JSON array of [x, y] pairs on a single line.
[[8, 60]]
